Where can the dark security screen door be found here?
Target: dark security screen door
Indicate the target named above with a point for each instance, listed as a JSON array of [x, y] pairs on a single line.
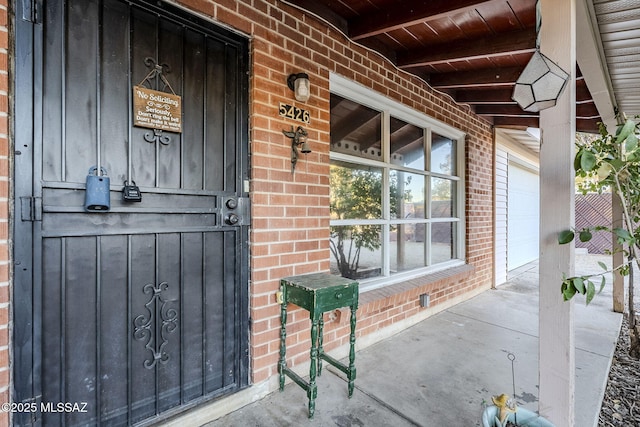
[[140, 311]]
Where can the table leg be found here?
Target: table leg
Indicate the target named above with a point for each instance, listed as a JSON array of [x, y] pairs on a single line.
[[282, 364], [320, 341], [312, 392], [352, 352]]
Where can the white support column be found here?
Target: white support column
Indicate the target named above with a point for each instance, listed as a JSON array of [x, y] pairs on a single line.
[[557, 201]]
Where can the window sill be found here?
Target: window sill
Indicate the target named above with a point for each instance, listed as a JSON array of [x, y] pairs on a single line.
[[402, 285]]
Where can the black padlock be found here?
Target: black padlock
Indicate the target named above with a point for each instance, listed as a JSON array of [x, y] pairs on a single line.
[[131, 192]]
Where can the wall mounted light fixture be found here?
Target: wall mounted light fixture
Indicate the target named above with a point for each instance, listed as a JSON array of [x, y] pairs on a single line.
[[298, 138], [299, 84]]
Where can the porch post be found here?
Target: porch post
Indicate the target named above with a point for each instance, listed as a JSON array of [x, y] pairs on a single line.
[[557, 201]]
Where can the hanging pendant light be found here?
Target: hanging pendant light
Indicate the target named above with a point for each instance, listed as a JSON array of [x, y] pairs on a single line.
[[541, 82]]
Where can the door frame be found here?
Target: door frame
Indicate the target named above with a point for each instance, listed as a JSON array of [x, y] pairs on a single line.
[[27, 299], [27, 196]]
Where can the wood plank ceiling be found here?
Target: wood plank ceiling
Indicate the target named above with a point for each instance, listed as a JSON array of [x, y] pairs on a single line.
[[473, 50]]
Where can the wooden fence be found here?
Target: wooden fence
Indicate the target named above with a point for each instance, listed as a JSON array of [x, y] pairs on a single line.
[[592, 210]]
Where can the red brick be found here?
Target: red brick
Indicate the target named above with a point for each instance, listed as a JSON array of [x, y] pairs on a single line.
[[4, 250], [4, 358], [4, 378]]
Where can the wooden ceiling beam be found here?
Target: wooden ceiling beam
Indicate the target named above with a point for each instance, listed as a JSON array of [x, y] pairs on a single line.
[[477, 78], [514, 42], [587, 110], [517, 122], [404, 134], [582, 92], [502, 95], [588, 125], [480, 78], [354, 121], [583, 111], [409, 13], [480, 96], [521, 123], [503, 110]]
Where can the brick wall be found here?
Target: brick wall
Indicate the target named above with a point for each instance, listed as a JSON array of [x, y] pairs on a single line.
[[290, 232], [4, 212]]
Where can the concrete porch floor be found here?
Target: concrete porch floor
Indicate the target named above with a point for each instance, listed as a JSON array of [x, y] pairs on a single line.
[[439, 372]]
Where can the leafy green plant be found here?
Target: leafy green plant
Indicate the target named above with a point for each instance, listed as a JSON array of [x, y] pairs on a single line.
[[611, 162], [356, 194]]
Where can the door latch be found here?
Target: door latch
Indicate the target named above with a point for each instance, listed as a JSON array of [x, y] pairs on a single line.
[[235, 210]]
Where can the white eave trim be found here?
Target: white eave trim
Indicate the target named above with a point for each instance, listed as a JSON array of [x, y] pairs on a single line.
[[591, 59]]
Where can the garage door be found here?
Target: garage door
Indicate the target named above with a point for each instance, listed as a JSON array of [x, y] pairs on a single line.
[[523, 215]]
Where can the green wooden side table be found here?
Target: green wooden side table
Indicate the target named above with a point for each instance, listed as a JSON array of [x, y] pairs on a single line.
[[318, 293]]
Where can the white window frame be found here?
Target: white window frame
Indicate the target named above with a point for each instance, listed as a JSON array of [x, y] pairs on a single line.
[[358, 93]]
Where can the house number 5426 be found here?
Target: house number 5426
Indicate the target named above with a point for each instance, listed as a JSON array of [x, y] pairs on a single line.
[[295, 113]]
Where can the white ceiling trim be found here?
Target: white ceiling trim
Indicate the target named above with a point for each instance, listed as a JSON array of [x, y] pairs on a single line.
[[592, 62]]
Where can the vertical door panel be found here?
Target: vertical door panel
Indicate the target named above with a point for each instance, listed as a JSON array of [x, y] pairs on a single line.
[[144, 155], [113, 318], [80, 79], [193, 309], [170, 52], [142, 379], [214, 323], [194, 107], [52, 327], [114, 75], [215, 111]]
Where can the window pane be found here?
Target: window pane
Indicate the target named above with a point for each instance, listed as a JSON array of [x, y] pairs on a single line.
[[407, 144], [443, 155], [355, 129], [356, 191], [407, 195], [442, 198], [407, 247], [356, 251], [442, 242]]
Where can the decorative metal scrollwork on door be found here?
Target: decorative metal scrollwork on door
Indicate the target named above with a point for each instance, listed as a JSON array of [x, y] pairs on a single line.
[[157, 136], [154, 326], [162, 108], [155, 78]]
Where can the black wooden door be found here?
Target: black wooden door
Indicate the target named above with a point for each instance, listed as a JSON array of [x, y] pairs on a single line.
[[137, 312]]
